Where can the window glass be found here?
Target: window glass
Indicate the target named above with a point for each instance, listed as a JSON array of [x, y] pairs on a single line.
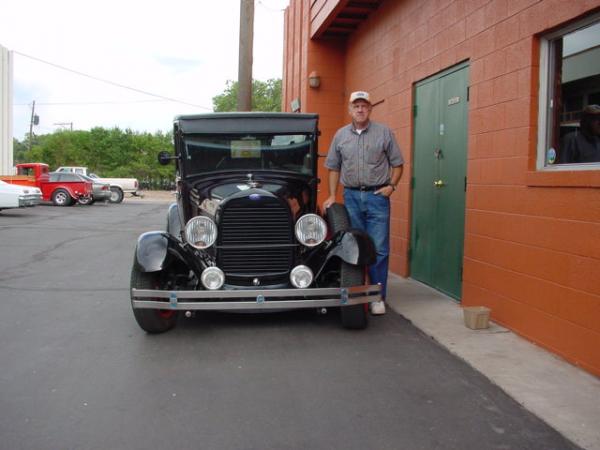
[[218, 153], [66, 176], [27, 171], [572, 91]]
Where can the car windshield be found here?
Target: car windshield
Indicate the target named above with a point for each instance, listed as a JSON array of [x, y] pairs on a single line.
[[292, 153]]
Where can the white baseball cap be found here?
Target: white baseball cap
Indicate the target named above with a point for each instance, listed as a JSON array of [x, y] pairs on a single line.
[[360, 95]]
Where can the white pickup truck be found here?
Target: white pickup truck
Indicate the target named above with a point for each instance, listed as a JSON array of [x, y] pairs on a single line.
[[118, 186]]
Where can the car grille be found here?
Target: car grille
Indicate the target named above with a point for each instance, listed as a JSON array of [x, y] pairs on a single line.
[[255, 240]]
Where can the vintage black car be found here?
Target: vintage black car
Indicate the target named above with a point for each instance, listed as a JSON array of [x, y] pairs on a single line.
[[246, 233]]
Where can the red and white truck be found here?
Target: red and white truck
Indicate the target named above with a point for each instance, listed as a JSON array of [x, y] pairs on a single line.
[[63, 192]]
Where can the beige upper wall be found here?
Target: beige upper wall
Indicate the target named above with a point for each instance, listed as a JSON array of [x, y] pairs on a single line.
[[6, 136]]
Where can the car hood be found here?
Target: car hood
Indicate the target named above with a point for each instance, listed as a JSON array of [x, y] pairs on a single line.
[[21, 190]]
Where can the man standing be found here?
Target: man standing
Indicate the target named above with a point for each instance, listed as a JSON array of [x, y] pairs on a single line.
[[365, 157]]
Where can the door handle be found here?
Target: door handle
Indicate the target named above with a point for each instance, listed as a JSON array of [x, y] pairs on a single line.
[[438, 183]]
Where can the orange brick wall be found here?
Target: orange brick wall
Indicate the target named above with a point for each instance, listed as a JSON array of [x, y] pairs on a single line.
[[532, 240], [328, 59]]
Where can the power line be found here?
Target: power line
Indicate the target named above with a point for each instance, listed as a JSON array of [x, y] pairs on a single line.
[[268, 8], [107, 102], [58, 66]]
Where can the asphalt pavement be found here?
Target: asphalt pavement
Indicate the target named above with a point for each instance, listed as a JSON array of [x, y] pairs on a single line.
[[561, 394], [77, 371]]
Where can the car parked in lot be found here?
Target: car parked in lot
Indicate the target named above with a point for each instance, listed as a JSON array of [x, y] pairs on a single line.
[[118, 186], [100, 191], [246, 232], [15, 196], [61, 191], [63, 197]]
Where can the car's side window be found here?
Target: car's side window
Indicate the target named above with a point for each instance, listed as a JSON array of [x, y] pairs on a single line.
[[68, 177]]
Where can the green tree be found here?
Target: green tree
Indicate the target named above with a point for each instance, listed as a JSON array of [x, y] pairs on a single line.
[[107, 152], [266, 96], [19, 151]]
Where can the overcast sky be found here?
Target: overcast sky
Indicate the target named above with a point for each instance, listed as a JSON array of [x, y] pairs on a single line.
[[184, 50]]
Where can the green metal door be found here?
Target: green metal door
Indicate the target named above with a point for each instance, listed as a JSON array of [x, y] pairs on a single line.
[[439, 180]]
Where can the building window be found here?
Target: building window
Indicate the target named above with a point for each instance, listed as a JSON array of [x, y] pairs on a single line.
[[569, 104]]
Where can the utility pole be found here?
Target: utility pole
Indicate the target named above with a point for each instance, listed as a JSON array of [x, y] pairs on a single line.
[[31, 124], [244, 100]]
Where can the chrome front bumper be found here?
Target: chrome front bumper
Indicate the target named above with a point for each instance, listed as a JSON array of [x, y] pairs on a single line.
[[255, 299], [29, 200], [102, 196]]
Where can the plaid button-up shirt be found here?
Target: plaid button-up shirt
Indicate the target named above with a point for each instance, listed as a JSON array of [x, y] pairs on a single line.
[[364, 159]]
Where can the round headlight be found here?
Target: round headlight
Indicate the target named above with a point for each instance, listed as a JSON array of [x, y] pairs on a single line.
[[212, 278], [200, 232], [301, 277], [311, 230]]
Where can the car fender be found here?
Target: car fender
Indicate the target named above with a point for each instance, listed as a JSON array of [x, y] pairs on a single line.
[[354, 247], [65, 187], [125, 184], [174, 224], [151, 250], [117, 185]]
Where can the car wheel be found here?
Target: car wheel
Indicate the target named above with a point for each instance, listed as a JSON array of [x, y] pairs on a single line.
[[116, 195], [61, 197], [353, 316], [85, 200], [151, 320], [338, 218]]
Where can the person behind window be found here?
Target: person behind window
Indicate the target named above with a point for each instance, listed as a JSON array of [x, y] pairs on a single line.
[[583, 145]]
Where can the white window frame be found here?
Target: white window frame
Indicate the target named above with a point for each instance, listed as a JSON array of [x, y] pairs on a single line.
[[546, 97]]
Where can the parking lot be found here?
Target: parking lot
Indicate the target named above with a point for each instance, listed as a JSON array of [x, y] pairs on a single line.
[[77, 371]]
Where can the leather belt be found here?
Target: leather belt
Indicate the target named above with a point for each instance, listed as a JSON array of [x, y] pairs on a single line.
[[365, 188]]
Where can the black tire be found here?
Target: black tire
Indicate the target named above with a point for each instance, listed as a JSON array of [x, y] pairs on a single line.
[[85, 200], [151, 320], [354, 316], [61, 197], [116, 195], [338, 218]]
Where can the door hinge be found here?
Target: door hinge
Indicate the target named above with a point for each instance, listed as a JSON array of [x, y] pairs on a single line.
[[415, 107], [465, 184], [412, 182], [468, 92]]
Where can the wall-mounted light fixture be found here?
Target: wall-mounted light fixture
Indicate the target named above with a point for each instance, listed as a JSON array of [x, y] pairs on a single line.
[[314, 79]]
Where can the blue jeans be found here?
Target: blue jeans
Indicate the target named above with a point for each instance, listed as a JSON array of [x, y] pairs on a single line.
[[371, 213]]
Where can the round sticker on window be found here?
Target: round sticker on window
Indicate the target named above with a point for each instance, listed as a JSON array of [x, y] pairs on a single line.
[[551, 156]]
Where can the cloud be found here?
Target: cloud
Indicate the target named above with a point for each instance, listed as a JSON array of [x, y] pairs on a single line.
[[182, 51], [179, 64]]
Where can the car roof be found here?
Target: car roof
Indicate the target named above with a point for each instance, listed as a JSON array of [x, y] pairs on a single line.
[[247, 122]]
